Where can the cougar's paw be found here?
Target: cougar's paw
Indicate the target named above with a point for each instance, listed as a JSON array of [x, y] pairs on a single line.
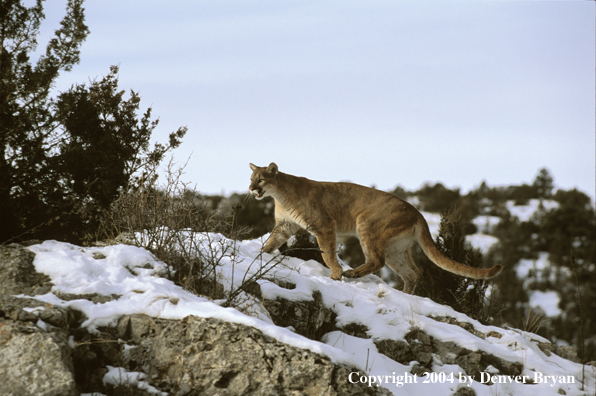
[[350, 274], [266, 250], [336, 276]]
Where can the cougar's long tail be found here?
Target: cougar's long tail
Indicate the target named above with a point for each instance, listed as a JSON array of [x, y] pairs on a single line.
[[434, 254]]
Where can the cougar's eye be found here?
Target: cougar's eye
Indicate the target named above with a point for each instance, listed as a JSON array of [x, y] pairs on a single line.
[[259, 181]]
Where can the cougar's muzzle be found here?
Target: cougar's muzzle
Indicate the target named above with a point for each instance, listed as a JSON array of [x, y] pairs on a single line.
[[257, 192]]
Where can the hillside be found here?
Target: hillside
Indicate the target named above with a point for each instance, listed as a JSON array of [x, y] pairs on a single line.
[[382, 335]]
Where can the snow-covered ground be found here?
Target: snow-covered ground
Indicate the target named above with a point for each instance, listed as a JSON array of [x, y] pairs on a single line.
[[135, 278]]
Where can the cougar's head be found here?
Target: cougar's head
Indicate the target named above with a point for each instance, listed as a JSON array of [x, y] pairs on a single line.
[[263, 180]]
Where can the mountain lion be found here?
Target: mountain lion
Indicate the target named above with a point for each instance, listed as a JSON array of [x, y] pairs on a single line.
[[386, 225]]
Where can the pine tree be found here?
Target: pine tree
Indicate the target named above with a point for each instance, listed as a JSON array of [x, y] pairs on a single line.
[[543, 183], [62, 159], [462, 294]]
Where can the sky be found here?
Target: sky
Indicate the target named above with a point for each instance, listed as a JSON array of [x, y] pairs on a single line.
[[380, 93]]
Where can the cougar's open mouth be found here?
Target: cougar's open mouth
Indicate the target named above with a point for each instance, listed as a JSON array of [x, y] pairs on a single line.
[[258, 194]]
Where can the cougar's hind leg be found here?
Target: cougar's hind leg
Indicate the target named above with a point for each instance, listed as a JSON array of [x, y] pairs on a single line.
[[403, 264]]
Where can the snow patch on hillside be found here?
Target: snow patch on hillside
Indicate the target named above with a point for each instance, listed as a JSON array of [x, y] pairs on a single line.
[[434, 221], [526, 266], [135, 279], [547, 300], [483, 242], [528, 269], [486, 224], [525, 212]]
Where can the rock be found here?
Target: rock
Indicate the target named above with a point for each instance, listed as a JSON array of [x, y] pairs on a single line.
[[466, 326], [93, 297], [206, 356], [253, 288], [422, 354], [421, 347], [546, 347], [504, 366], [567, 352], [471, 364], [55, 316], [356, 330], [424, 338], [33, 362], [464, 391], [197, 356], [419, 370], [91, 356], [449, 351], [98, 256], [399, 351], [25, 316], [17, 272], [13, 308], [136, 327], [309, 318]]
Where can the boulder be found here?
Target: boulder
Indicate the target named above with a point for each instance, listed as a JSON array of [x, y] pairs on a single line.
[[206, 356], [308, 318], [35, 362], [17, 272]]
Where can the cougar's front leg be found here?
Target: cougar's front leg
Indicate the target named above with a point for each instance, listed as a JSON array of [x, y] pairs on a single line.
[[373, 246], [328, 244], [282, 231]]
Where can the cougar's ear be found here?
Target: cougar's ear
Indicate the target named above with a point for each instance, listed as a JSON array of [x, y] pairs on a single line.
[[253, 167], [272, 168]]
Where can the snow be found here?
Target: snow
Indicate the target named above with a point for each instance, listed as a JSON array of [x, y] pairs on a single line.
[[525, 266], [480, 240], [486, 224], [547, 300], [483, 242], [525, 212], [135, 280], [119, 376], [434, 221]]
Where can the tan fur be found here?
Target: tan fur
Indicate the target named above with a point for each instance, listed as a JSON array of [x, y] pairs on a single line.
[[386, 225]]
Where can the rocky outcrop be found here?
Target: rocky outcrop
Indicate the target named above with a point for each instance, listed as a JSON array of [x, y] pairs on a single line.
[[44, 351], [424, 349], [206, 356], [35, 358]]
